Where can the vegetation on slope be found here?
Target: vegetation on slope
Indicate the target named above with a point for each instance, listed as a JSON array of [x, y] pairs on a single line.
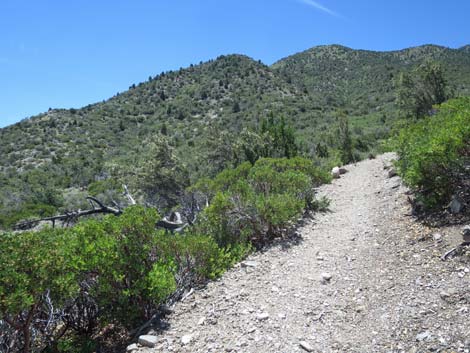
[[62, 288], [50, 162], [434, 154]]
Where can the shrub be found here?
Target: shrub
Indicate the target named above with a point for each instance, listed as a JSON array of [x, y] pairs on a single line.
[[132, 277], [434, 153], [36, 271], [259, 202], [61, 287]]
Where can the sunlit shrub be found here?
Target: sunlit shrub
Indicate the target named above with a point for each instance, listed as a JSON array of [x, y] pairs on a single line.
[[434, 154]]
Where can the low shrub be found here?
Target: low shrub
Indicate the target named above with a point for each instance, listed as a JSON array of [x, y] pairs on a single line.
[[434, 153], [60, 287], [254, 203]]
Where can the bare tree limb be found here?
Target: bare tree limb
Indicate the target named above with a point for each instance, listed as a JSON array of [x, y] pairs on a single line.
[[128, 195], [67, 217]]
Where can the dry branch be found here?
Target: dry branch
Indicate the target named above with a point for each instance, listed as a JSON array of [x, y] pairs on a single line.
[[97, 208]]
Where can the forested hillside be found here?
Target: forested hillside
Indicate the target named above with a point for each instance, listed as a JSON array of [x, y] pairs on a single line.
[[202, 119]]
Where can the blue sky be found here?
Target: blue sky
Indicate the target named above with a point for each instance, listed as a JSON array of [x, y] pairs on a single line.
[[70, 53]]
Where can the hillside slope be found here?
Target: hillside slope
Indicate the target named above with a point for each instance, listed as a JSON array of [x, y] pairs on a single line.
[[202, 108], [362, 80]]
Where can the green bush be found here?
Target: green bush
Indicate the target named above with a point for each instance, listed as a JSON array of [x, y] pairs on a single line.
[[119, 270], [133, 278], [113, 270], [27, 211], [259, 202], [434, 153], [36, 270]]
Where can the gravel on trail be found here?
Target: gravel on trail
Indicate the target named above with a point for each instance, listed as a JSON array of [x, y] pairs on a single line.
[[363, 277]]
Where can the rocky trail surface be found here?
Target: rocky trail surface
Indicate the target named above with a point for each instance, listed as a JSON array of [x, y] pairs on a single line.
[[364, 277]]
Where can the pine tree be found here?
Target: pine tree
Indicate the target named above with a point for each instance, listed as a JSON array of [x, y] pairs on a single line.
[[345, 139]]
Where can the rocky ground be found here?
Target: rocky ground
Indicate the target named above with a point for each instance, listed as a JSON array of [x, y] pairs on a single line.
[[364, 277]]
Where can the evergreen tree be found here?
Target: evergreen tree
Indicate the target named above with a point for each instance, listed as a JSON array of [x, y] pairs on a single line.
[[419, 90], [345, 139], [283, 137], [161, 175]]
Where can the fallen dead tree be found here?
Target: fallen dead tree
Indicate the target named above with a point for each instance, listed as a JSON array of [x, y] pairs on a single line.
[[173, 223], [70, 217]]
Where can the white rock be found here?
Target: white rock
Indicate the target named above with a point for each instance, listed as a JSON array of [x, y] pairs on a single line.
[[148, 341], [326, 277], [437, 237], [186, 339], [201, 321], [335, 173], [305, 346], [423, 336], [249, 264], [132, 347], [466, 234], [262, 316]]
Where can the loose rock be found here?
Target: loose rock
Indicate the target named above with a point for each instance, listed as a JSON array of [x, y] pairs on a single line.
[[132, 347], [392, 173], [148, 341], [249, 264], [305, 346], [466, 234], [423, 336], [186, 339], [262, 316], [335, 173], [325, 277]]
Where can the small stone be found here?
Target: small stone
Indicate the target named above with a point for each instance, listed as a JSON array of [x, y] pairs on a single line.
[[251, 329], [423, 336], [392, 173], [186, 339], [305, 346], [262, 316], [437, 237], [335, 173], [342, 170], [325, 277], [201, 321], [249, 264], [466, 234], [148, 341], [360, 309], [132, 347]]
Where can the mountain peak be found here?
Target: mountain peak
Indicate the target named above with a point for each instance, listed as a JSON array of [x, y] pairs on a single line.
[[465, 48]]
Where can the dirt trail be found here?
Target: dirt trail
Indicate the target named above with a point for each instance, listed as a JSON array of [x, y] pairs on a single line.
[[388, 291]]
